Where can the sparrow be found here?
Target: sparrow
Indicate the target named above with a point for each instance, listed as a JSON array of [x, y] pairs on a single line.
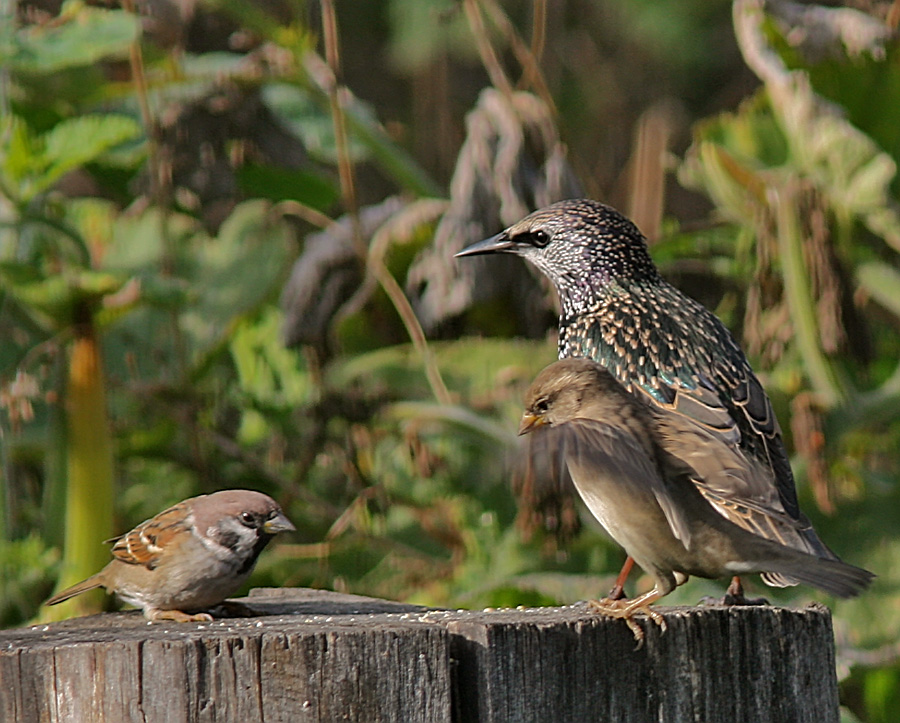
[[659, 343], [189, 557], [653, 480]]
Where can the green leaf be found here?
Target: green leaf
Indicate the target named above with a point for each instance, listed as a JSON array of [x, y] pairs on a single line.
[[882, 282], [77, 141], [306, 119], [33, 162], [237, 272], [424, 30], [280, 184], [80, 36], [53, 298]]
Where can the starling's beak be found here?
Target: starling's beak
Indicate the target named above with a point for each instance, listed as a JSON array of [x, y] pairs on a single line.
[[500, 242], [276, 524], [530, 422]]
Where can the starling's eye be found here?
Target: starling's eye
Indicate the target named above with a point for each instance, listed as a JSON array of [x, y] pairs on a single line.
[[540, 238], [248, 519]]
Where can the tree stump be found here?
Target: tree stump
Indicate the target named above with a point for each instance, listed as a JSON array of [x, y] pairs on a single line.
[[310, 655]]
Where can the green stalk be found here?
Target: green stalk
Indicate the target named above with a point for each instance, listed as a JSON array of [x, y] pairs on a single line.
[[801, 303], [89, 466]]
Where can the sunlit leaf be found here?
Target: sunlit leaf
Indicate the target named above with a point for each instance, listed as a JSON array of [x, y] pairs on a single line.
[[80, 36]]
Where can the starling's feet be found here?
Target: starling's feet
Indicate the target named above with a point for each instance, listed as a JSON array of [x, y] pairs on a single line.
[[734, 595], [154, 616], [618, 590], [626, 609], [235, 609]]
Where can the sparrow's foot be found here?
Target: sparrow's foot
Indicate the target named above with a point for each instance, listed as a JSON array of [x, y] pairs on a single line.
[[154, 616], [626, 610]]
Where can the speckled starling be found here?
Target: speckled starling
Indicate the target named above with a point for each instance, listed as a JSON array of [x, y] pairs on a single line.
[[626, 457], [660, 344]]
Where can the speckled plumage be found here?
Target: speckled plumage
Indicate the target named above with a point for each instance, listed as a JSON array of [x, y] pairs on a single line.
[[618, 311]]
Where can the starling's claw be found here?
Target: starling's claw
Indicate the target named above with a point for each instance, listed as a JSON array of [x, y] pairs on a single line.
[[626, 609], [734, 595], [616, 593], [618, 590]]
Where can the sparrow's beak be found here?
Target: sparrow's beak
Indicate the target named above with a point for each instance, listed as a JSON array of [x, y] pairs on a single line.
[[500, 242], [530, 422], [276, 524]]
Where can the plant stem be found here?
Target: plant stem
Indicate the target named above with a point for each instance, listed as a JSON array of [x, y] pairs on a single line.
[[89, 462], [799, 297]]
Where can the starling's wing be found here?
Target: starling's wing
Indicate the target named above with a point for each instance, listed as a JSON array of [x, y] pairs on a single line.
[[601, 453], [144, 545], [663, 343]]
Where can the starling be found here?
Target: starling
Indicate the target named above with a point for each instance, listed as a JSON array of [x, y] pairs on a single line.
[[626, 457], [662, 346]]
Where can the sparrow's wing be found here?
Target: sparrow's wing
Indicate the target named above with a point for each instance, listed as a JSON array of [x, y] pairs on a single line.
[[543, 487], [612, 456], [144, 544], [738, 487]]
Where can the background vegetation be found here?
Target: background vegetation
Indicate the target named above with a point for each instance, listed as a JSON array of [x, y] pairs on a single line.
[[179, 313]]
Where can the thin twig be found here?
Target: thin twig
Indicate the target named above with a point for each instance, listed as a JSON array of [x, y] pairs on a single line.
[[485, 49], [375, 264], [345, 164], [303, 212], [527, 59], [136, 61], [539, 29]]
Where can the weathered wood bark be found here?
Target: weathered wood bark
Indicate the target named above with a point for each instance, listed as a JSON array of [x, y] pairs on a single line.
[[319, 656]]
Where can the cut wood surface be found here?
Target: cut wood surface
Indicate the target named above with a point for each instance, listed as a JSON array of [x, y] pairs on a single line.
[[312, 655]]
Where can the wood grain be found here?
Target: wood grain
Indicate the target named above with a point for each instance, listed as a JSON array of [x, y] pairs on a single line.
[[309, 655]]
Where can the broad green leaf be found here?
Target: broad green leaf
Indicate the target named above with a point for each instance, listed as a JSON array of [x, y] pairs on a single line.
[[236, 272], [18, 157], [139, 240], [81, 35], [74, 142], [882, 282], [309, 121], [280, 184], [54, 298], [268, 373], [33, 162], [424, 30]]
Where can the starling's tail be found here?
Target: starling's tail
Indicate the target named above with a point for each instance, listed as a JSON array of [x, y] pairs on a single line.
[[831, 576], [83, 586]]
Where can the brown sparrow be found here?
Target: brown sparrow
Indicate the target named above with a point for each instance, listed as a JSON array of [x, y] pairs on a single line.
[[190, 556], [653, 479]]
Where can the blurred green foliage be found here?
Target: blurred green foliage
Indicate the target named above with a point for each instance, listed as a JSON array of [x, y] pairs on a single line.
[[163, 196]]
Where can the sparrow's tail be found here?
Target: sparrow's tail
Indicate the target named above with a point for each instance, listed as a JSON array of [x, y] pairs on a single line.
[[83, 586]]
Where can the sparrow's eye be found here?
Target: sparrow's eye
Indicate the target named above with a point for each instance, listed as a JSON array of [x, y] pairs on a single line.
[[248, 519], [540, 238], [542, 405]]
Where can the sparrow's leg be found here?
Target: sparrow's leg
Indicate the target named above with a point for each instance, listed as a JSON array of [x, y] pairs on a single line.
[[154, 615], [618, 590], [626, 609]]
